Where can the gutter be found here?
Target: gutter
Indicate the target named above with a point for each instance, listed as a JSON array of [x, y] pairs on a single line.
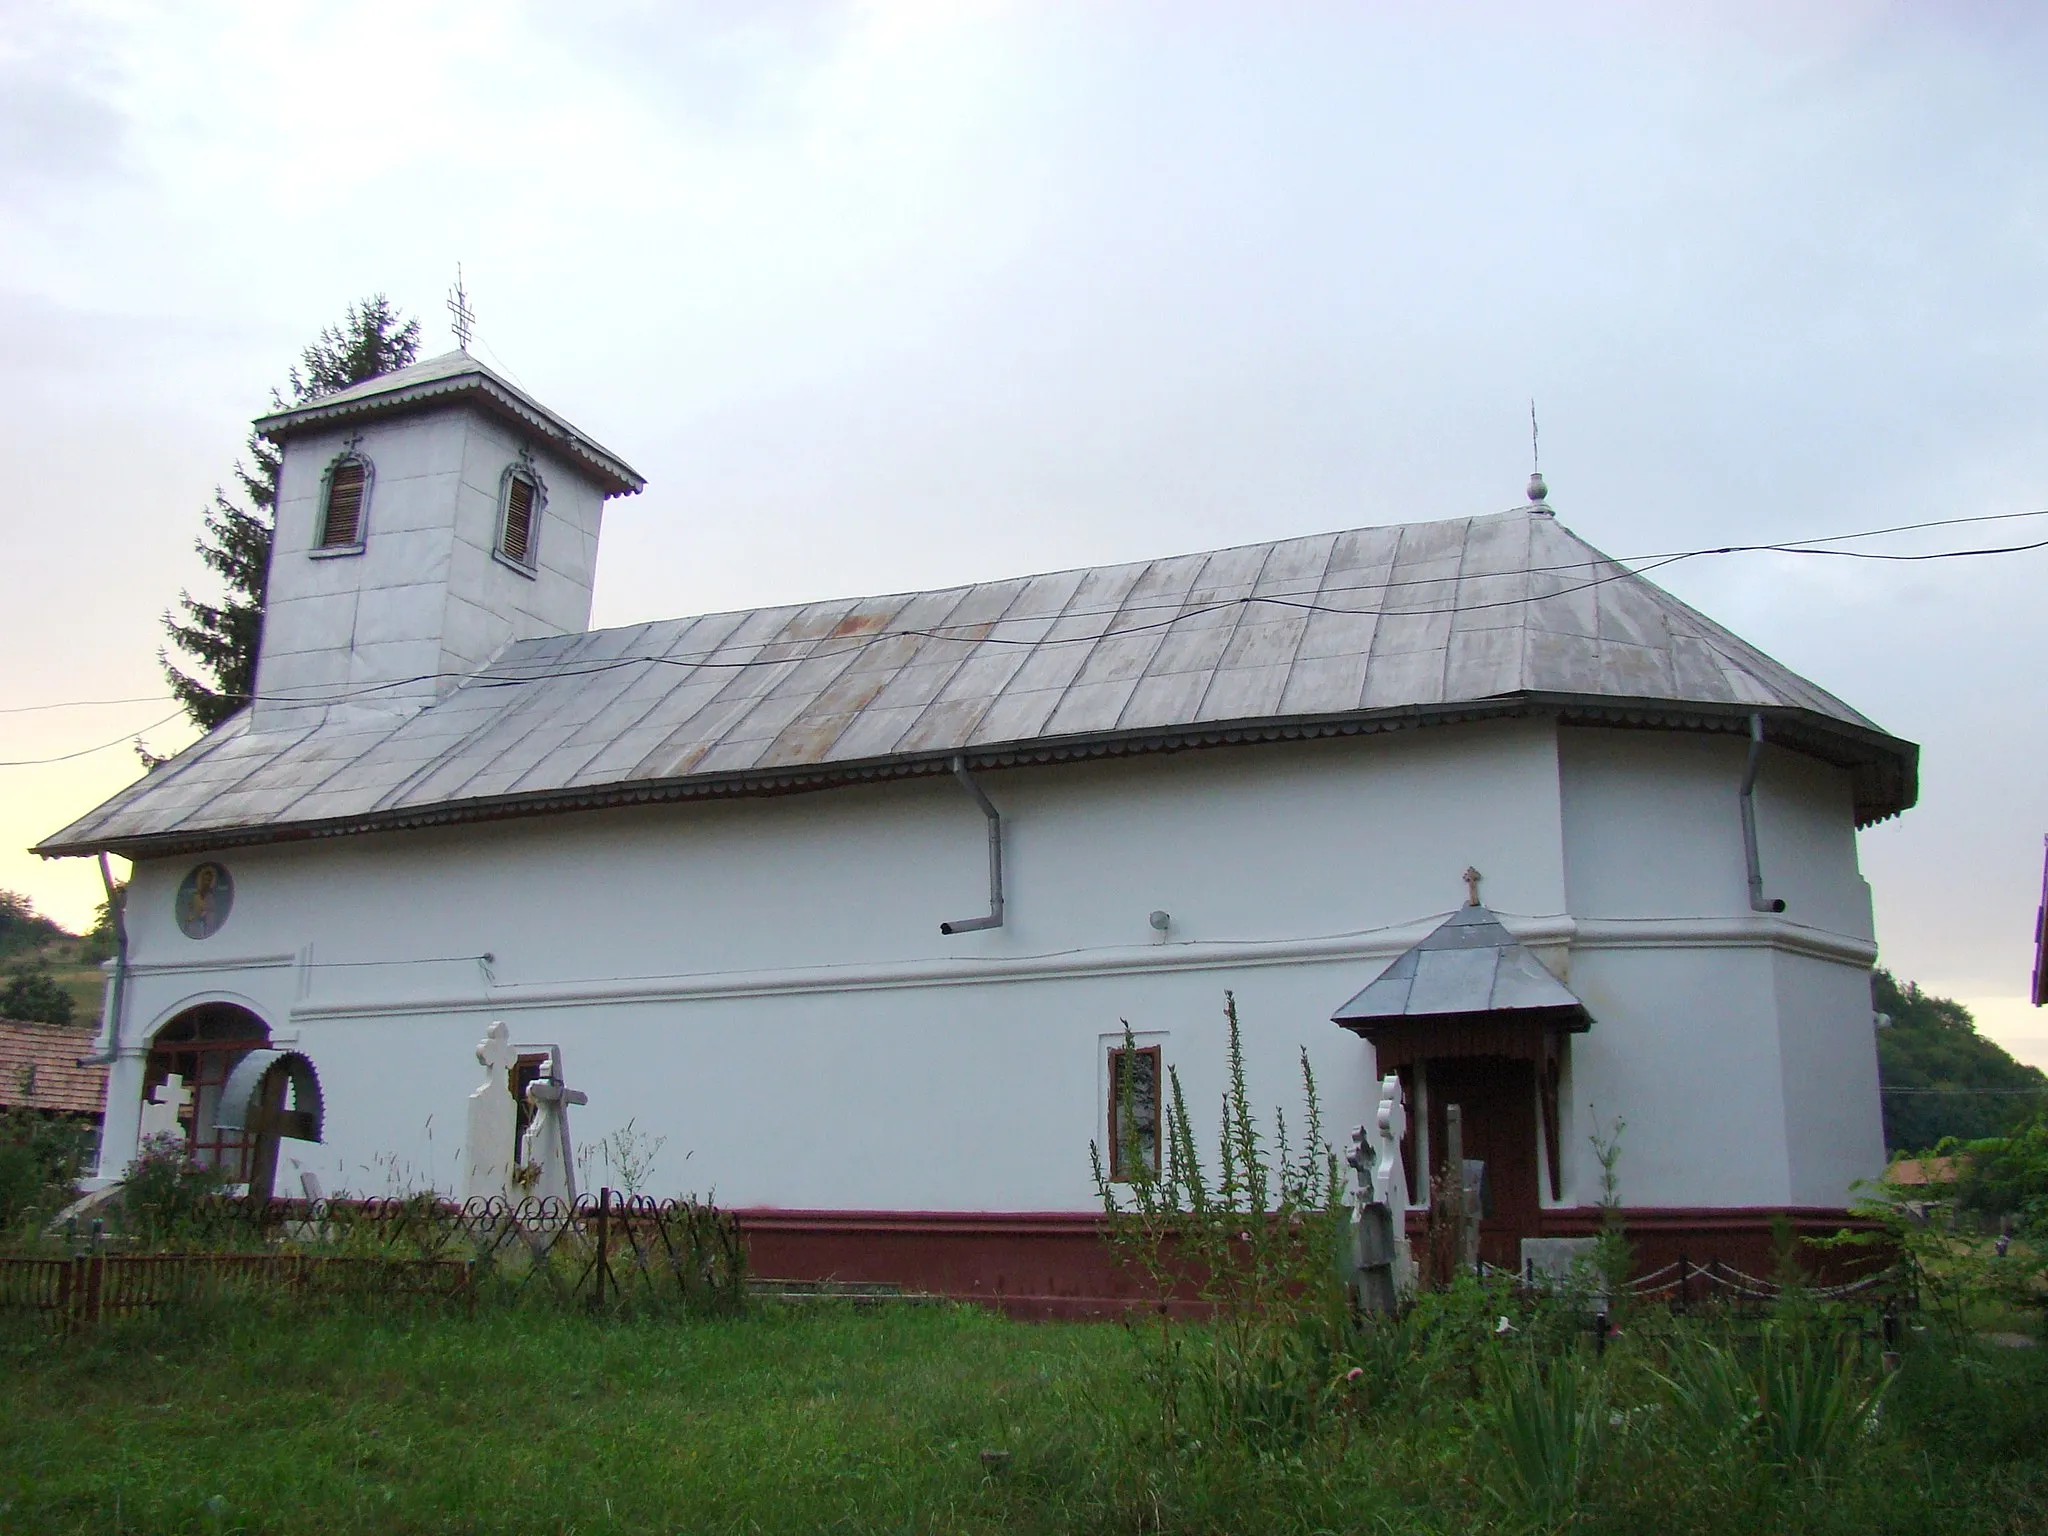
[[995, 858], [117, 904], [1758, 902]]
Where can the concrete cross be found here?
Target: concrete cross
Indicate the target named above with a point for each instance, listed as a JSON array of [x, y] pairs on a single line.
[[493, 1120], [1393, 1111], [1361, 1157], [495, 1051], [1472, 877], [160, 1114]]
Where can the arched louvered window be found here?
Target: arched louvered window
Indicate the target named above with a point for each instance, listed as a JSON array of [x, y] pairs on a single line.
[[344, 504], [520, 503]]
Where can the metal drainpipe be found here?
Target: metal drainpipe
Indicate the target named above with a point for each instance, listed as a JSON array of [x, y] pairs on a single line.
[[995, 859], [117, 902], [1758, 902]]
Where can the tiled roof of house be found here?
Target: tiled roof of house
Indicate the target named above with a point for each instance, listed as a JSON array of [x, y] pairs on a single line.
[[39, 1069], [1335, 634]]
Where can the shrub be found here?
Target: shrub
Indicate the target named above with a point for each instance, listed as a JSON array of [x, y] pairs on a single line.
[[40, 1156], [164, 1194], [33, 994]]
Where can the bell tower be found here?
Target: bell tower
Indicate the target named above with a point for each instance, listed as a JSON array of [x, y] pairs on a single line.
[[425, 519]]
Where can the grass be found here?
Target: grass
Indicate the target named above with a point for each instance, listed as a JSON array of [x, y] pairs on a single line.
[[223, 1420]]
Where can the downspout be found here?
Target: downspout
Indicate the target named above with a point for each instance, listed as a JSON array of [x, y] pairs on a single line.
[[995, 859], [117, 901], [1758, 902]]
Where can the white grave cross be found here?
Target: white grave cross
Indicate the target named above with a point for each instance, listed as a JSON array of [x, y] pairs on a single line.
[[160, 1114], [1390, 1174], [493, 1119], [550, 1170]]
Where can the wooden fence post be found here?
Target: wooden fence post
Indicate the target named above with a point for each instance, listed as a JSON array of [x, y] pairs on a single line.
[[94, 1278]]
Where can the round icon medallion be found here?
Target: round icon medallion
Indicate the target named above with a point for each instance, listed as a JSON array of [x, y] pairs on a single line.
[[205, 898]]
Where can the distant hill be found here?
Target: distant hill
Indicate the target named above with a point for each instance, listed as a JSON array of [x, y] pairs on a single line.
[[28, 938], [1958, 1083], [22, 928]]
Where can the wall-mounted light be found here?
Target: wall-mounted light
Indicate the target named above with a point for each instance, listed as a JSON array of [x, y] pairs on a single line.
[[1161, 922]]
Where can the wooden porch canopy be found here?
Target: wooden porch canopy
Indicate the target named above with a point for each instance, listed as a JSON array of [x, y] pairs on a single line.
[[1469, 989]]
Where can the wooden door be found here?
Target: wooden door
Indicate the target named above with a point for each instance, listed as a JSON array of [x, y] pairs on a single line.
[[1498, 1098]]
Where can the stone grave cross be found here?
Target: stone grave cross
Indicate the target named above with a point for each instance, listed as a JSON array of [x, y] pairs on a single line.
[[493, 1119], [160, 1114], [549, 1172], [1386, 1269]]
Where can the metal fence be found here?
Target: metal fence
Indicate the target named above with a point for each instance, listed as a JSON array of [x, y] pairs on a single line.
[[90, 1288], [604, 1253]]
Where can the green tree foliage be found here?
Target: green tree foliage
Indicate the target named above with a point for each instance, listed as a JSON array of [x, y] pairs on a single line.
[[1968, 1087], [98, 943], [222, 638], [34, 995], [2007, 1176], [22, 927]]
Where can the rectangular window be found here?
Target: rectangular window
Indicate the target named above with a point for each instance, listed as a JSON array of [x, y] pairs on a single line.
[[1133, 1111], [342, 526], [517, 544]]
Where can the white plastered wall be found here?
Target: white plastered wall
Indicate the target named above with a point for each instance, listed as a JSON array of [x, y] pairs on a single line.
[[764, 982], [1737, 1046]]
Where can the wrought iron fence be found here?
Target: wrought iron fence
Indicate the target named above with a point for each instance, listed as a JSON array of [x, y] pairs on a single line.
[[606, 1253]]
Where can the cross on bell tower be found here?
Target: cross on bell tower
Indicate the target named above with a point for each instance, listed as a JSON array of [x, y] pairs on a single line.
[[1472, 877], [461, 318]]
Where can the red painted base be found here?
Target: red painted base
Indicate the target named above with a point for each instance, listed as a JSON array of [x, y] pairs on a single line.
[[1035, 1264]]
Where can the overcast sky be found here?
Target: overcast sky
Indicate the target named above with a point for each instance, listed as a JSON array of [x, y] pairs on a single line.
[[892, 296]]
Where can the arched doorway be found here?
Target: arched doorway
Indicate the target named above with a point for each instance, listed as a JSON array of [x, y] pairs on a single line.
[[201, 1047]]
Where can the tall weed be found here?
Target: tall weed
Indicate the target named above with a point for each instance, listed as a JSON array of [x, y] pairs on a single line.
[[1798, 1406], [1256, 1247], [1542, 1431]]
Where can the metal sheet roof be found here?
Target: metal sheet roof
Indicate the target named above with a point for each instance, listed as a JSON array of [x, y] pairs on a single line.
[[1371, 629], [452, 377], [1468, 965]]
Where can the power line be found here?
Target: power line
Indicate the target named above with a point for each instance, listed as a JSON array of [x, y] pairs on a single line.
[[67, 757]]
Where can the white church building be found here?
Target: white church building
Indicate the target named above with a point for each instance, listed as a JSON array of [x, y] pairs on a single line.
[[850, 901]]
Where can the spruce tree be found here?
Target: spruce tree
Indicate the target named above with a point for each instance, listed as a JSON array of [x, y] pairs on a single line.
[[222, 638]]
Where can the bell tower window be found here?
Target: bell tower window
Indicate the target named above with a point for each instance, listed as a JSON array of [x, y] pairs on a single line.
[[519, 507], [344, 503]]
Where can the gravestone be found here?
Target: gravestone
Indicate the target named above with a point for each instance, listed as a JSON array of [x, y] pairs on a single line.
[[160, 1113], [493, 1128], [549, 1169], [1385, 1266], [1467, 1189]]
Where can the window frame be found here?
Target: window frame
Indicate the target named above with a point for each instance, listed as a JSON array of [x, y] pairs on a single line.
[[521, 469], [322, 549], [1119, 1173]]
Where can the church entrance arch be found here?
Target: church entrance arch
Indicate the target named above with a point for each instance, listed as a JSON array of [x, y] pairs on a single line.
[[199, 1048]]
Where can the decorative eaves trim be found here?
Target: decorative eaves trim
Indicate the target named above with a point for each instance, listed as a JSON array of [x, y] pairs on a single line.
[[617, 477], [1885, 770]]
